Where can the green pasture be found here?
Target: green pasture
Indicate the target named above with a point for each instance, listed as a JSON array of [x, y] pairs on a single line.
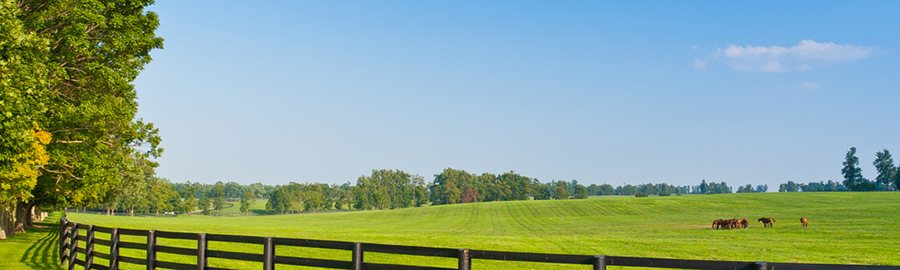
[[845, 228], [33, 250], [234, 208]]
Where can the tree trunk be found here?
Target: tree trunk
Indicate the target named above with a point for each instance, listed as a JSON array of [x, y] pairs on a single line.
[[21, 208], [29, 216], [4, 224], [131, 211], [157, 212]]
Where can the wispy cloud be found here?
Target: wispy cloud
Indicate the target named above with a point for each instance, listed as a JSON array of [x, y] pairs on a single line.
[[801, 57], [699, 64], [809, 86]]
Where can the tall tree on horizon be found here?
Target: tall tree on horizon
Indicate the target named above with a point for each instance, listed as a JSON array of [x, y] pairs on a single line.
[[218, 194], [203, 203], [853, 178], [247, 201], [884, 163]]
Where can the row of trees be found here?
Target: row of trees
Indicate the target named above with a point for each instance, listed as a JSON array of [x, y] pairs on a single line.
[[663, 189], [392, 189], [68, 132], [148, 194], [458, 186], [790, 186], [307, 197], [888, 177]]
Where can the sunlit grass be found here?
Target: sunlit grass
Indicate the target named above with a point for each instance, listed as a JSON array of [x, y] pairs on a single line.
[[845, 228]]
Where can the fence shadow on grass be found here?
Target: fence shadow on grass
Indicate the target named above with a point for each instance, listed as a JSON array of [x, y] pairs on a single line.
[[43, 253]]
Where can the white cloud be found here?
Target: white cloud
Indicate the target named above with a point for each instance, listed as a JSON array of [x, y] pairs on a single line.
[[809, 49], [773, 67], [699, 64], [800, 57]]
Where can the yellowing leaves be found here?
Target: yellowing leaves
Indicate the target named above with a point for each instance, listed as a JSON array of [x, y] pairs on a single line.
[[19, 178]]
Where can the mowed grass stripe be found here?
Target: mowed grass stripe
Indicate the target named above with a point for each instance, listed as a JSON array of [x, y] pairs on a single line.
[[845, 227]]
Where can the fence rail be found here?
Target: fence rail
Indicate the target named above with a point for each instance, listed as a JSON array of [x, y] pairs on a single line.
[[73, 242]]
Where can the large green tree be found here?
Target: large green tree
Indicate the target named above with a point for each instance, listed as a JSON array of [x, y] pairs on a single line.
[[853, 178], [884, 164], [23, 75], [560, 190], [247, 201], [580, 192], [449, 186], [132, 191], [203, 203], [72, 65], [187, 202], [161, 197], [218, 195]]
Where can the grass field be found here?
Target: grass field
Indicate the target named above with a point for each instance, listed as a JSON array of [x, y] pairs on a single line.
[[33, 250], [845, 228], [234, 208]]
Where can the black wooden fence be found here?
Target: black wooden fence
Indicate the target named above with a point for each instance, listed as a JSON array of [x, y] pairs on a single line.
[[73, 242]]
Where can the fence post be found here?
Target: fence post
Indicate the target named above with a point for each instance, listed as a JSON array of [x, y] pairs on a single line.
[[114, 249], [760, 266], [599, 262], [62, 240], [89, 248], [201, 252], [269, 254], [357, 260], [465, 262], [151, 250], [72, 244]]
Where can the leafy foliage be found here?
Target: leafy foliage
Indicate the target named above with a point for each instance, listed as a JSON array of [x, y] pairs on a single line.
[[884, 163], [853, 178], [790, 186], [23, 69], [560, 191], [247, 201]]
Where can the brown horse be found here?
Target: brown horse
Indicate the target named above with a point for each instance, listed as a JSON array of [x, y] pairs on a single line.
[[744, 223], [733, 223], [767, 222], [719, 223], [804, 222]]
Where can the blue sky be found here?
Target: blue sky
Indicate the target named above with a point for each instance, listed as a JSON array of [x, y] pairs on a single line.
[[601, 92]]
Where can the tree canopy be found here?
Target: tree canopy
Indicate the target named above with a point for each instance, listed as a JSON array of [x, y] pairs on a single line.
[[67, 119], [853, 178]]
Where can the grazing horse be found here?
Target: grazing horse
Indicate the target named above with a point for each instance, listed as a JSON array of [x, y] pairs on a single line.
[[804, 222], [719, 223], [744, 223], [767, 222]]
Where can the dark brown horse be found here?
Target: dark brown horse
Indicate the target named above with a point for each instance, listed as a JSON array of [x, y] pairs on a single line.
[[767, 222], [804, 222], [744, 223], [719, 223]]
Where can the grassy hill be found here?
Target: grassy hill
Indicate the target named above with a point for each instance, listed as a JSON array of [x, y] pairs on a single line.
[[857, 228]]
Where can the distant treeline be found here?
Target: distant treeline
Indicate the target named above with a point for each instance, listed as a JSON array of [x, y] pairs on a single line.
[[393, 189], [888, 177], [383, 189]]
